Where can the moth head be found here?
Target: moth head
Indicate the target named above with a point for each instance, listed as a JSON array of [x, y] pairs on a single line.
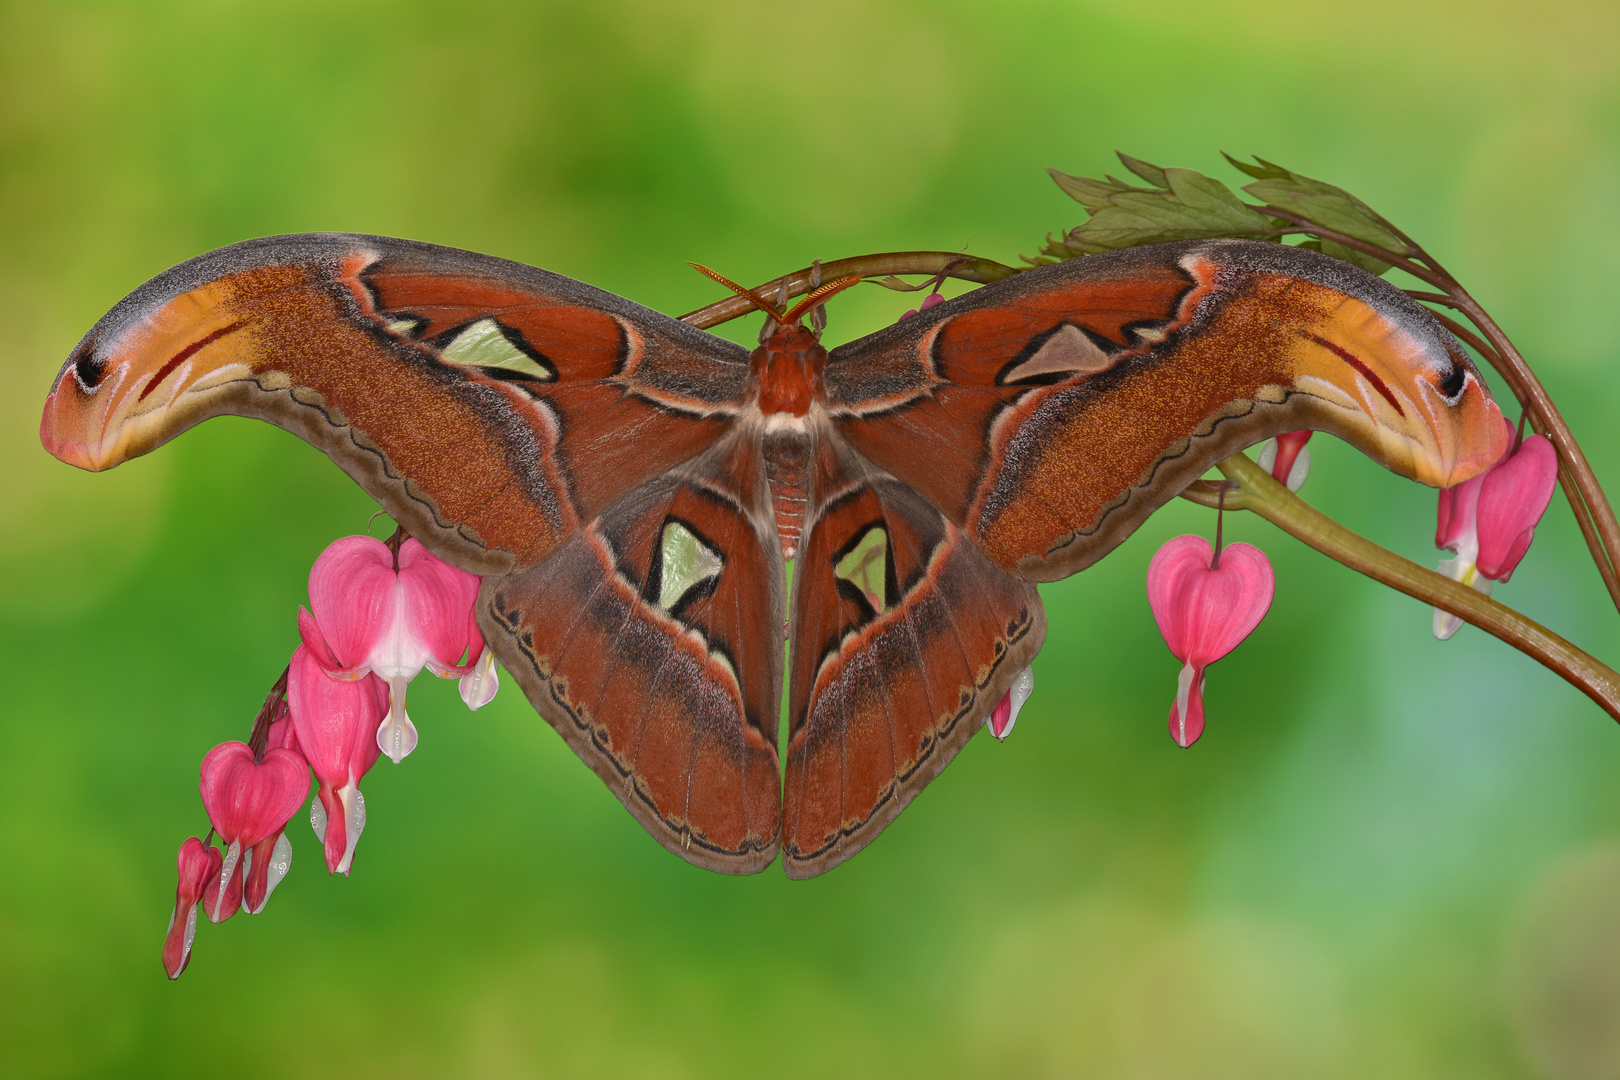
[[776, 320]]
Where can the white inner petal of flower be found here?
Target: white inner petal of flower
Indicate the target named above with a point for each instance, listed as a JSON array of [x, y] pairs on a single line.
[[354, 813], [396, 736], [280, 863], [1300, 469], [233, 855], [1461, 569], [479, 685], [1183, 693], [191, 933], [1023, 686]]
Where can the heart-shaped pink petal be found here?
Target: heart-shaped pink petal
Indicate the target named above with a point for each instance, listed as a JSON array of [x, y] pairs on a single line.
[[1203, 613], [1512, 498], [336, 723], [354, 593], [438, 599], [247, 801], [335, 719]]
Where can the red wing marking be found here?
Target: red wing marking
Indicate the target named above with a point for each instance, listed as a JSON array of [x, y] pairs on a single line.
[[186, 353], [1366, 372]]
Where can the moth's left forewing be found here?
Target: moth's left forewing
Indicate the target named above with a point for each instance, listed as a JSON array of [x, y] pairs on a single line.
[[1070, 402], [489, 406]]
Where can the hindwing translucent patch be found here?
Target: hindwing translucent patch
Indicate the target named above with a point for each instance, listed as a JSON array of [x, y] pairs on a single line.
[[685, 563], [866, 567]]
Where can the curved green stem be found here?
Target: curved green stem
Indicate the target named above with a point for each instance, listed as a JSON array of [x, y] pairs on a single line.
[[1258, 492], [949, 263]]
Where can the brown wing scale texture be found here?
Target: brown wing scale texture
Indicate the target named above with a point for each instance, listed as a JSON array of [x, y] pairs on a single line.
[[1050, 414]]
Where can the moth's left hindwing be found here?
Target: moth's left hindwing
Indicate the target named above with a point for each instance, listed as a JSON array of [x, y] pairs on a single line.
[[652, 642]]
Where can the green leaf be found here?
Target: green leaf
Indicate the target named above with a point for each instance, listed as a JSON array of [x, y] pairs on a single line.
[[1332, 210], [1184, 204], [1192, 206], [1151, 173], [1092, 194], [1259, 172], [1214, 201], [1321, 204]]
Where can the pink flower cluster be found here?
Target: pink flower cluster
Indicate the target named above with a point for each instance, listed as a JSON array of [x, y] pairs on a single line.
[[1207, 600], [1488, 522], [382, 613]]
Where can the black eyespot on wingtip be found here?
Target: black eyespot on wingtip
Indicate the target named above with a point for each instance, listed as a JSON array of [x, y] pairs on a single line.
[[1451, 384], [88, 369]]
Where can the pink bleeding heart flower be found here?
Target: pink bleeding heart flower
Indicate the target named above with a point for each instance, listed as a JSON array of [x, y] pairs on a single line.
[[199, 864], [378, 614], [1005, 714], [336, 724], [248, 801], [927, 302], [1489, 520], [1286, 458], [1204, 608], [268, 861]]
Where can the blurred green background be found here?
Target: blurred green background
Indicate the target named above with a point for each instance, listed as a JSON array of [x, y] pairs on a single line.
[[1388, 856]]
